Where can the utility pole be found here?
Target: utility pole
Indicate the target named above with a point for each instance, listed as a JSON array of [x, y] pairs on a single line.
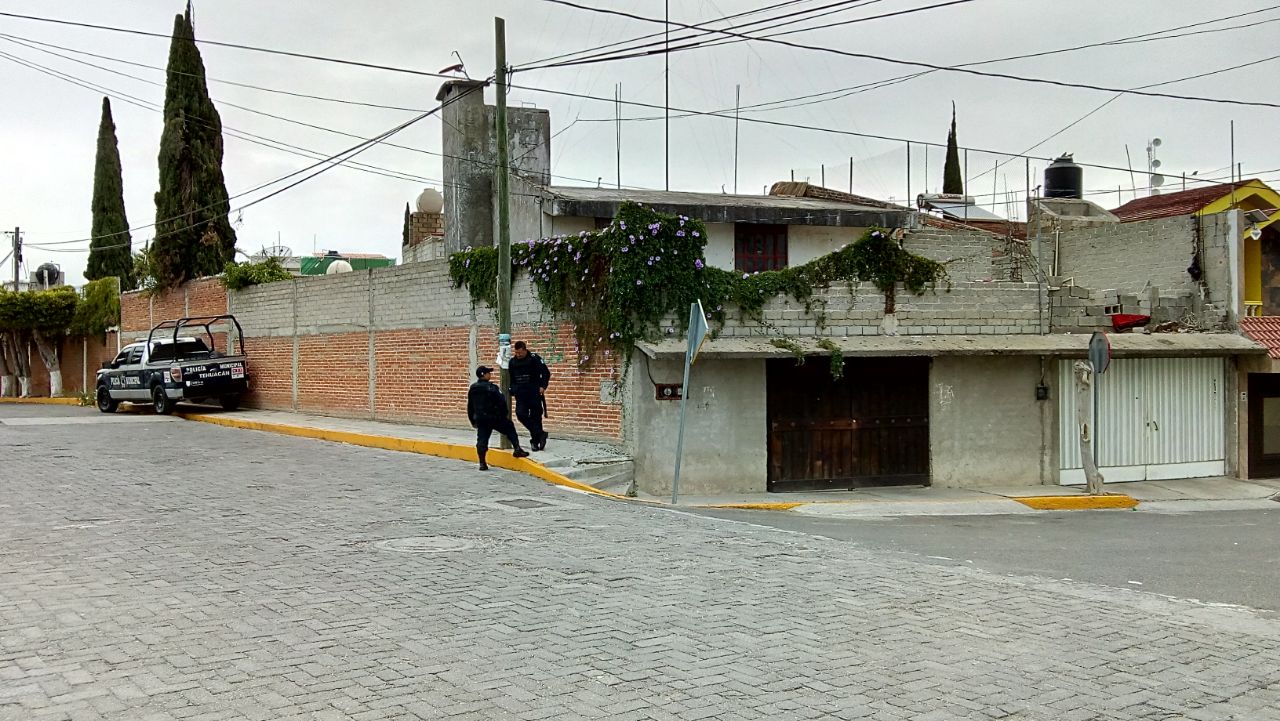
[[504, 210], [666, 73], [737, 105], [17, 256]]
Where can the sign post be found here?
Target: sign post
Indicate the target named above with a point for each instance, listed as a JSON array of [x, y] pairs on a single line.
[[1099, 360], [697, 334]]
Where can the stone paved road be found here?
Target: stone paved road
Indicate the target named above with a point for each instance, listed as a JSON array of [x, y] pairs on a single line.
[[256, 577]]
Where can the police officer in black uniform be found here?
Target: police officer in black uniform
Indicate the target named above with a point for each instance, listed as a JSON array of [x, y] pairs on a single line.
[[529, 379], [487, 408]]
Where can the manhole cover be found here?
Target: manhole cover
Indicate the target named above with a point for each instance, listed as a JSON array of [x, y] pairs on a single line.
[[425, 544], [525, 503]]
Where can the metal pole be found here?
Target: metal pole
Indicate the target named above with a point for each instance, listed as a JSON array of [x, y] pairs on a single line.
[[684, 397], [824, 174], [850, 175], [504, 211], [995, 174], [908, 201], [666, 72], [737, 104], [964, 189], [1094, 437]]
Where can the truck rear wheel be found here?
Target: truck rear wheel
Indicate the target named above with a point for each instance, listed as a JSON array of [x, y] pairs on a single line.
[[229, 403], [104, 401], [160, 402]]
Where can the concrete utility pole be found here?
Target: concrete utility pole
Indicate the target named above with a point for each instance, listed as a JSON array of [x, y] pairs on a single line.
[[17, 256], [504, 196]]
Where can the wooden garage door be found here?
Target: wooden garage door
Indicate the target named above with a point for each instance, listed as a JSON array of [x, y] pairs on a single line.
[[870, 428]]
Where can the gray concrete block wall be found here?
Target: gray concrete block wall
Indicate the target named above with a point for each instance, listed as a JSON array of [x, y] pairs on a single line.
[[418, 295], [333, 303], [264, 310], [968, 254], [1126, 256]]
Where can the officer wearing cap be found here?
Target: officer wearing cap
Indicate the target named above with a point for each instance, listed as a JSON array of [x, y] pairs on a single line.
[[489, 411]]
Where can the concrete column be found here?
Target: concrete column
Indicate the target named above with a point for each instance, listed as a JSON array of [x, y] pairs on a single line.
[[469, 158]]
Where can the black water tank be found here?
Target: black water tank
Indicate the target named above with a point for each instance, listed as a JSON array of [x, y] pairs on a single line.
[[1064, 179]]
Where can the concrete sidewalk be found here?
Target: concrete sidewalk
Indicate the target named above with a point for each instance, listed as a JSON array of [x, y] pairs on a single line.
[[604, 469]]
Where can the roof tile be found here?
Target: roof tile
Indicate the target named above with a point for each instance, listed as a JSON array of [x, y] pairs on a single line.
[[1265, 330], [1169, 205]]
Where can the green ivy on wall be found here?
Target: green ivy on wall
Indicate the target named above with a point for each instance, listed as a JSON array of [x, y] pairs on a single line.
[[618, 285]]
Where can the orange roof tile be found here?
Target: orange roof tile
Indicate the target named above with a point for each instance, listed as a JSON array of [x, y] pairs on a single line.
[[1265, 330], [1168, 205]]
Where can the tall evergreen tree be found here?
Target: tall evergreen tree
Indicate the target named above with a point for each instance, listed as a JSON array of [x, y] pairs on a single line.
[[952, 178], [408, 226], [110, 251], [194, 236]]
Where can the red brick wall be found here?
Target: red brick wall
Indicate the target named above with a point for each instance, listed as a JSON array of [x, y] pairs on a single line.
[[573, 395], [270, 372], [205, 297], [333, 374], [423, 375], [135, 313], [72, 362]]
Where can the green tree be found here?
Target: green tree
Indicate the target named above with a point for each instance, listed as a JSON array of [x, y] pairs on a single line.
[[42, 316], [408, 224], [110, 251], [194, 237], [952, 179]]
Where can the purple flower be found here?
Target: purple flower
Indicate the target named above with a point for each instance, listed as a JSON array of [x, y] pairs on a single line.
[[651, 261], [466, 263], [746, 275], [532, 242], [632, 238], [697, 263], [639, 282], [679, 233], [682, 222], [625, 248], [696, 234], [622, 224]]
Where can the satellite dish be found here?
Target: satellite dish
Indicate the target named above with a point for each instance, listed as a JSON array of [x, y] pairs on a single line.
[[277, 251], [338, 266], [1157, 180], [1155, 163], [1255, 232], [1155, 142]]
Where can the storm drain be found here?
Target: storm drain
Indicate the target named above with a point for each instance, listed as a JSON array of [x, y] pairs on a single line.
[[426, 544], [524, 503]]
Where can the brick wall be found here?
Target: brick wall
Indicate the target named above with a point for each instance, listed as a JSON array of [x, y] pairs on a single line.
[[1125, 256], [79, 358], [426, 340], [970, 255]]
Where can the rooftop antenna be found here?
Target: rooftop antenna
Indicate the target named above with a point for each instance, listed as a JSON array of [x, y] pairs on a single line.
[[1153, 164]]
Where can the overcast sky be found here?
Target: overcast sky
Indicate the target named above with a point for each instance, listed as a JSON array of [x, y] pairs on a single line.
[[48, 126]]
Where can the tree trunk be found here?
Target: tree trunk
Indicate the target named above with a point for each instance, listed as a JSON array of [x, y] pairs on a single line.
[[1084, 419], [13, 368], [19, 363], [6, 378], [48, 348]]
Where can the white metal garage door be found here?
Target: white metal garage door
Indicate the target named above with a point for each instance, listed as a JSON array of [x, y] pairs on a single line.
[[1158, 418]]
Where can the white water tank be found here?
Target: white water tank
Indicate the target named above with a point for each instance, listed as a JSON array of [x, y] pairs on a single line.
[[430, 201], [338, 266]]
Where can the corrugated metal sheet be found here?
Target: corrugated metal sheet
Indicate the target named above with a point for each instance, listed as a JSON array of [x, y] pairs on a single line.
[[1152, 412]]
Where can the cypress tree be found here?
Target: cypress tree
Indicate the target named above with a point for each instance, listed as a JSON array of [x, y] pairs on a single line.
[[194, 237], [110, 251], [408, 225], [952, 179]]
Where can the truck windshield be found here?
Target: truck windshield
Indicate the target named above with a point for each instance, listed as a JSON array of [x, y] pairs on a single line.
[[186, 348]]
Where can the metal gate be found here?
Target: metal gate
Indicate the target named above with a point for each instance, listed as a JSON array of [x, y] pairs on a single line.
[[870, 428], [1158, 418]]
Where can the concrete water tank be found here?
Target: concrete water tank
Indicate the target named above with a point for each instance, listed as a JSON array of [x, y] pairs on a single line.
[[430, 201], [1064, 179]]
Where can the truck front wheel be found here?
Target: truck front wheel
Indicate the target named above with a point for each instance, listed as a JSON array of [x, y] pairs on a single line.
[[160, 402], [105, 403]]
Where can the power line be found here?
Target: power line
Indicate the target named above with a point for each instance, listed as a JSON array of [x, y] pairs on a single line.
[[232, 83], [637, 53], [237, 46], [931, 66], [323, 165], [840, 93]]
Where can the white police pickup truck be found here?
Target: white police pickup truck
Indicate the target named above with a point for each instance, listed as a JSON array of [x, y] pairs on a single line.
[[165, 369]]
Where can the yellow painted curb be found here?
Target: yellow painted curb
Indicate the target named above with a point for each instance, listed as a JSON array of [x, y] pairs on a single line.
[[759, 506], [1078, 503], [43, 401], [497, 458]]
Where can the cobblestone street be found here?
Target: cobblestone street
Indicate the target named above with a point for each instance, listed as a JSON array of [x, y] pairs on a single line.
[[161, 569]]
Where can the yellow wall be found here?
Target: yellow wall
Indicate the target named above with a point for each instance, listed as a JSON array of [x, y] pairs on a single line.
[[1255, 195]]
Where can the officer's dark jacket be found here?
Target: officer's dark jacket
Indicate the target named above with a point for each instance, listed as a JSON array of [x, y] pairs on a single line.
[[528, 374], [485, 403]]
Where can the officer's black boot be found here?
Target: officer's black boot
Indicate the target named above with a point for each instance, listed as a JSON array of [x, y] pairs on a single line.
[[482, 452]]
